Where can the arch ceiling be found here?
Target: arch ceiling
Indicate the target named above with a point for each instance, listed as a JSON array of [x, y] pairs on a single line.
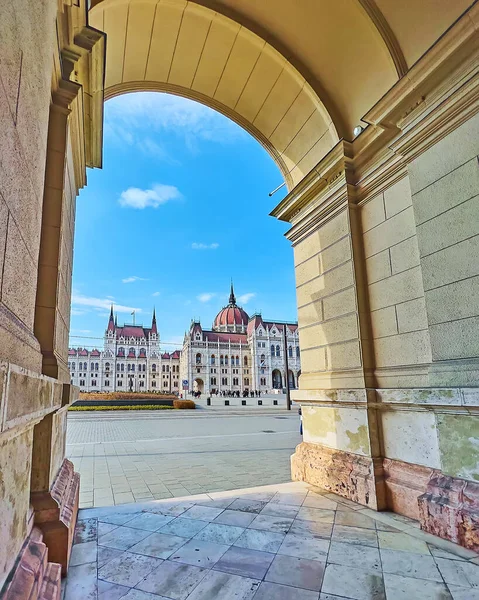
[[297, 74]]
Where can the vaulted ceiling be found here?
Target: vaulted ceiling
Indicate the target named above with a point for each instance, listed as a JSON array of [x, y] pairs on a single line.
[[297, 74]]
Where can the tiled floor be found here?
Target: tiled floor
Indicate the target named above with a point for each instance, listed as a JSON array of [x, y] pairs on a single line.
[[280, 542], [140, 457]]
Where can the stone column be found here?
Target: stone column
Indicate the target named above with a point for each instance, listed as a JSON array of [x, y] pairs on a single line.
[[340, 451]]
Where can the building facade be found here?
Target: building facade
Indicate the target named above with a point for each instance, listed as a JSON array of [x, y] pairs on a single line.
[[240, 354], [131, 361]]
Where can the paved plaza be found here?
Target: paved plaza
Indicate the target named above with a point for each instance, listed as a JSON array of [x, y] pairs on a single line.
[[136, 456], [281, 542]]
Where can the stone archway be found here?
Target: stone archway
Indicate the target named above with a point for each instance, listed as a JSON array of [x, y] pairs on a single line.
[[276, 379]]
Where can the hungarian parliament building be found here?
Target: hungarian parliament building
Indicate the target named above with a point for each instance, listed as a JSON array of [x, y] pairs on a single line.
[[238, 354]]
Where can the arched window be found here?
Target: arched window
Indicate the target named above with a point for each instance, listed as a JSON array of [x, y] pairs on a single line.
[[213, 359], [297, 351], [92, 366], [73, 366], [163, 368], [153, 368], [222, 360], [290, 351], [107, 366], [132, 367], [129, 367], [272, 349], [245, 361], [198, 359], [277, 351], [122, 367], [262, 360], [96, 366], [226, 359], [121, 351], [237, 361], [232, 360], [117, 366], [167, 368]]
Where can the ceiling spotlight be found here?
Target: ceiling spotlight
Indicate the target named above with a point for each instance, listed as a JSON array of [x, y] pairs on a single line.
[[357, 130]]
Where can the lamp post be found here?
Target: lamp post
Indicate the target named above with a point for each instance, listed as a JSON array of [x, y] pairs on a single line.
[[288, 396]]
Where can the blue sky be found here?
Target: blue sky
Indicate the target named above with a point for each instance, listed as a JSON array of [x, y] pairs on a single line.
[[180, 207]]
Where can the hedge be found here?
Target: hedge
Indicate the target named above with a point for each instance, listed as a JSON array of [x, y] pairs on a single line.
[[184, 404], [128, 407]]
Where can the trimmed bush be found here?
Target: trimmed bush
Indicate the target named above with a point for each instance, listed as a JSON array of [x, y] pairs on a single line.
[[124, 395], [184, 404], [128, 407]]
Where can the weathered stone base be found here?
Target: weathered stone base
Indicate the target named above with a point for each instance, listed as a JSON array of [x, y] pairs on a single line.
[[445, 506], [449, 508], [34, 578], [358, 478], [56, 514]]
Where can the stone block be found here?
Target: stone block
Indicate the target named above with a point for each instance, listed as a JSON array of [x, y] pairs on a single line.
[[450, 227], [329, 233], [331, 282], [339, 428], [404, 483], [455, 339], [29, 395], [404, 255], [336, 254], [313, 360], [384, 322], [397, 197], [411, 316], [15, 464], [396, 289], [421, 396], [340, 303], [418, 442], [451, 264], [403, 349], [453, 151], [310, 314], [378, 266], [307, 270], [458, 435], [18, 293], [329, 332], [343, 356], [390, 232], [373, 213], [457, 300], [446, 193]]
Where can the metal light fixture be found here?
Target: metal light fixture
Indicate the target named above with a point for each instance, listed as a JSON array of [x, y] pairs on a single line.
[[357, 130]]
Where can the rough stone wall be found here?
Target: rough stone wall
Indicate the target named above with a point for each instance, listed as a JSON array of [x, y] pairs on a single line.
[[27, 37]]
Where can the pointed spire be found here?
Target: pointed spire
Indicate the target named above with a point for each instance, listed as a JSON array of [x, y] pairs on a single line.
[[116, 321], [111, 324], [153, 322], [232, 295]]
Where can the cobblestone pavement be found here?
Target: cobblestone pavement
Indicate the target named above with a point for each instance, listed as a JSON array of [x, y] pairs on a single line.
[[283, 542], [146, 455]]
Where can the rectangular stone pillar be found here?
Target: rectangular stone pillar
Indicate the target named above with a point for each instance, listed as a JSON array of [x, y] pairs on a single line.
[[340, 451]]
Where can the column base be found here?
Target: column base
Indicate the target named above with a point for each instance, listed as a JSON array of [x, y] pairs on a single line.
[[33, 576], [56, 514], [358, 478]]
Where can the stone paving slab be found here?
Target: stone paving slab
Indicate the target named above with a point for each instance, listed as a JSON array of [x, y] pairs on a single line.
[[193, 548]]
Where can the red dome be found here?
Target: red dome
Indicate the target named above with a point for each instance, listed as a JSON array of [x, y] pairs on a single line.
[[231, 315]]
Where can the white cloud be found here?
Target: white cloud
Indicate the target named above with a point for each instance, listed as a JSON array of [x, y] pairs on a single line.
[[132, 120], [205, 297], [101, 303], [160, 194], [156, 293], [131, 280], [75, 311], [201, 246], [245, 298]]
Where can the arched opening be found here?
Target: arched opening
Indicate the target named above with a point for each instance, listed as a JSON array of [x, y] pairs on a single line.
[[198, 385], [277, 379], [291, 379]]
